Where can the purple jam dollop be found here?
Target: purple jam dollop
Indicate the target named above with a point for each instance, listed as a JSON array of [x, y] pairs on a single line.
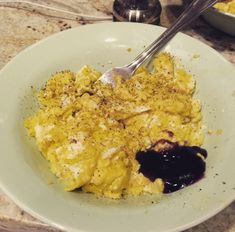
[[178, 166]]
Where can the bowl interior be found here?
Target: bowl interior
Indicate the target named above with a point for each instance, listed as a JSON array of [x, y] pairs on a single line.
[[24, 174]]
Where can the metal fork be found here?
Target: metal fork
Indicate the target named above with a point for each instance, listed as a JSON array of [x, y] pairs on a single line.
[[190, 14]]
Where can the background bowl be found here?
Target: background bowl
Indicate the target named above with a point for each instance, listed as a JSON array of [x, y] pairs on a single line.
[[221, 20], [24, 174]]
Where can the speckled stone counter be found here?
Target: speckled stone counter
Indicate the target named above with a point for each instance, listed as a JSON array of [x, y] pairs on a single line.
[[21, 26]]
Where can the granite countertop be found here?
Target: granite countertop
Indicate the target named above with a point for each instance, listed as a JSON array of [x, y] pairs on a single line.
[[22, 25]]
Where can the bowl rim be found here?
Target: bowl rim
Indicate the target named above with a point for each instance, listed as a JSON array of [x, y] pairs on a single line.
[[222, 12]]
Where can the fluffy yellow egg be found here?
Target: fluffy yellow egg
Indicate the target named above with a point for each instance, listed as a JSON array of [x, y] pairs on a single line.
[[90, 132]]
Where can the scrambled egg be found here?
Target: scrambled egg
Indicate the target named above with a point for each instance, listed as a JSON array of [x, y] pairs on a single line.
[[90, 132], [226, 6]]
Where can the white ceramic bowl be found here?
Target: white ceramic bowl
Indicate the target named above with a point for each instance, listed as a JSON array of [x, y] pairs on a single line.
[[24, 174], [221, 20]]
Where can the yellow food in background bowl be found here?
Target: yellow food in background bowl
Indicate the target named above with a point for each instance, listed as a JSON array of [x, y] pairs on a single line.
[[226, 6], [90, 132]]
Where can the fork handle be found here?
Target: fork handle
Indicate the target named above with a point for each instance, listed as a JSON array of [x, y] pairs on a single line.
[[190, 13]]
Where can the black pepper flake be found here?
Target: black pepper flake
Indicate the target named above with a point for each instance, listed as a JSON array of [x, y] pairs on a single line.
[[223, 182], [170, 133], [74, 141]]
